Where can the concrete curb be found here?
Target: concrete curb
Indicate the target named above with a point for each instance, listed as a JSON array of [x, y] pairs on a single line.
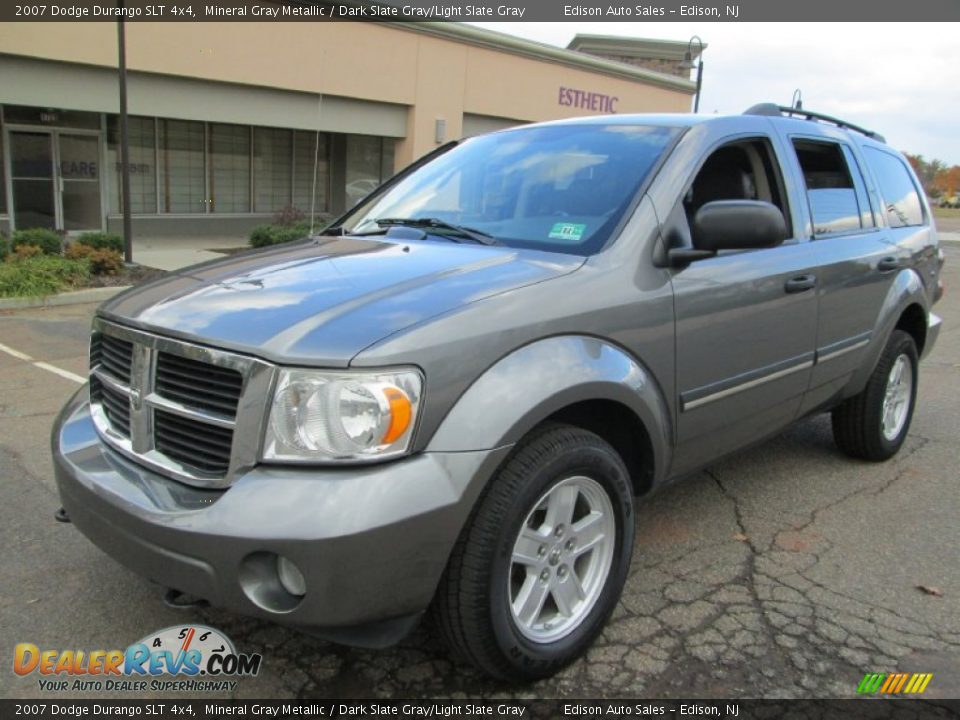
[[76, 297]]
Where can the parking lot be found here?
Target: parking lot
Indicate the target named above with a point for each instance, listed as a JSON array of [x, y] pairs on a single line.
[[788, 570]]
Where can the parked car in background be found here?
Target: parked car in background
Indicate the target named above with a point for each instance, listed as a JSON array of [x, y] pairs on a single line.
[[452, 397]]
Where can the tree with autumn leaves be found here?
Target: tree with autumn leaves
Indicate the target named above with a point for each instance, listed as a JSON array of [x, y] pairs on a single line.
[[936, 177]]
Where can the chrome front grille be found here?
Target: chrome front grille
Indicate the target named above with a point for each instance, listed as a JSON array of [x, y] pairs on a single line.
[[113, 355], [201, 446], [198, 385], [116, 406], [190, 412]]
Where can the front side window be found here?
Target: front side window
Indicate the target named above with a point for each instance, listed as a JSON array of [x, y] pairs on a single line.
[[835, 200], [561, 188], [741, 170], [900, 196]]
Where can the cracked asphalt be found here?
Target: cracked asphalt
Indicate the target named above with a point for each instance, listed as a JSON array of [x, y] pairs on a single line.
[[785, 571]]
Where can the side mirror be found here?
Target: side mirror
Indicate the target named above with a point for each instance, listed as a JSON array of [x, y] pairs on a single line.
[[738, 225]]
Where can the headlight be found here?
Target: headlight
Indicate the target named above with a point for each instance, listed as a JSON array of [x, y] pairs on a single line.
[[342, 416]]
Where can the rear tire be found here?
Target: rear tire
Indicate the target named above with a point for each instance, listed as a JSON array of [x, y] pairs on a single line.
[[542, 561], [873, 424]]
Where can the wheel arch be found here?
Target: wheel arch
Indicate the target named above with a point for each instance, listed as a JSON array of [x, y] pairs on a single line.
[[618, 425], [913, 321], [905, 308], [580, 380]]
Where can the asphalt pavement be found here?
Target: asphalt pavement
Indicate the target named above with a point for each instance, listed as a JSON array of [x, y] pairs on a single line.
[[788, 570]]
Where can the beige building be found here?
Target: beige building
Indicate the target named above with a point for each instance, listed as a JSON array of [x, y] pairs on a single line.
[[231, 122]]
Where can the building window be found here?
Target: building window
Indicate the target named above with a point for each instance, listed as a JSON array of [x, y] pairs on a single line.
[[369, 162], [182, 172], [386, 159], [3, 170], [306, 145], [143, 170], [272, 169], [230, 168]]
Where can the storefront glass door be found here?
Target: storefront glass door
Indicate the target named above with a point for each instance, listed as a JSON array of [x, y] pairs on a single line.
[[79, 164], [56, 180]]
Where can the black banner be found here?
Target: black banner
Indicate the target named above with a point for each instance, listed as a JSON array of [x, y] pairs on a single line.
[[485, 708], [482, 10]]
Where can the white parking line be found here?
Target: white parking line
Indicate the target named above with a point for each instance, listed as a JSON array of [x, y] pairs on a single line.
[[42, 365], [16, 353]]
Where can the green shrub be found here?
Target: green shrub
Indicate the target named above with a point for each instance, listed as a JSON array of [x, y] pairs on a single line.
[[41, 275], [264, 235], [47, 240], [261, 236], [4, 247], [102, 241]]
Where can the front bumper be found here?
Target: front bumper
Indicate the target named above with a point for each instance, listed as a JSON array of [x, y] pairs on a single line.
[[371, 541]]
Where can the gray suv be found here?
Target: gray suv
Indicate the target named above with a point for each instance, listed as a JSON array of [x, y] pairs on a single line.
[[449, 399]]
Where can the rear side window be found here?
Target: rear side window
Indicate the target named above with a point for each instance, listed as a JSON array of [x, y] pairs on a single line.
[[900, 196], [834, 189]]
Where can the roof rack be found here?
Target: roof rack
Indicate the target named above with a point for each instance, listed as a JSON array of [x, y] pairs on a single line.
[[772, 109]]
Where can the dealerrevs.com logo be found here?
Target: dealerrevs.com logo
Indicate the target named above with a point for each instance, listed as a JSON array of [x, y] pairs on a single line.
[[179, 658]]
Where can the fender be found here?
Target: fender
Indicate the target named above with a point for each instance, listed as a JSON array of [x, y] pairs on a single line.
[[907, 289], [527, 386]]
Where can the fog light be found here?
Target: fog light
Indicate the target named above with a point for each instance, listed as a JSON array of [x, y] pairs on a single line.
[[290, 577]]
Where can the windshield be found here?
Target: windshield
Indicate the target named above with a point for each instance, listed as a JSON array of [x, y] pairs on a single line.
[[557, 187]]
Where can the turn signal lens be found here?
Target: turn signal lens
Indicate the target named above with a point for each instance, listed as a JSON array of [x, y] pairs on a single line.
[[400, 414]]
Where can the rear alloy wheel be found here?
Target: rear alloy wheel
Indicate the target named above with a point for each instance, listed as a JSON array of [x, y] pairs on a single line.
[[873, 424], [542, 561]]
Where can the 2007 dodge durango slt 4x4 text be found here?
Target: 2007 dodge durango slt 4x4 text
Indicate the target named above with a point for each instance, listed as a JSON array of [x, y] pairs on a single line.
[[450, 397]]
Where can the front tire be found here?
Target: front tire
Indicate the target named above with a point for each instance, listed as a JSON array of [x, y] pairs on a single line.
[[542, 562], [874, 424]]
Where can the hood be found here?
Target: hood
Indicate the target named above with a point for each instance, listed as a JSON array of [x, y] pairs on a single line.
[[321, 302]]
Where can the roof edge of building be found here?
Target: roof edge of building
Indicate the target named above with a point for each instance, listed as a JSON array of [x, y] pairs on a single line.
[[537, 50], [636, 47]]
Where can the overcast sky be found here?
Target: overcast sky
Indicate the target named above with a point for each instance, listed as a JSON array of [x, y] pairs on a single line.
[[902, 80]]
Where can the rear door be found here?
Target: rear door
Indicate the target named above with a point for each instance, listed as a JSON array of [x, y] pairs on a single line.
[[857, 259], [746, 321]]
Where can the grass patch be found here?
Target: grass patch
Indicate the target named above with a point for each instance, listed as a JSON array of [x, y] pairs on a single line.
[[42, 275]]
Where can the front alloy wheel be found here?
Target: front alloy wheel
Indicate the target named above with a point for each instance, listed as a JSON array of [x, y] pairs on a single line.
[[561, 559], [542, 561]]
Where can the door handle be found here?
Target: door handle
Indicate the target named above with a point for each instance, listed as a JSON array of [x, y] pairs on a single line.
[[888, 264], [800, 283]]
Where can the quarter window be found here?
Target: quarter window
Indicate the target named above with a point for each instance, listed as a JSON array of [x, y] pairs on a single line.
[[900, 196], [836, 195]]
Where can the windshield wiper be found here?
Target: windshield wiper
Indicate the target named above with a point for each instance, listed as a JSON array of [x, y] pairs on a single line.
[[478, 236]]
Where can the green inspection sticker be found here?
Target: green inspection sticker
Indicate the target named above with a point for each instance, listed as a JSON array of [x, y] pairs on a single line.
[[570, 232]]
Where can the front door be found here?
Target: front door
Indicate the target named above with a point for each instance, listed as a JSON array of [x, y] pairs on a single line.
[[56, 180], [746, 321]]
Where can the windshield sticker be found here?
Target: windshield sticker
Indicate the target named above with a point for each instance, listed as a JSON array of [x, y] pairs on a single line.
[[569, 232]]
